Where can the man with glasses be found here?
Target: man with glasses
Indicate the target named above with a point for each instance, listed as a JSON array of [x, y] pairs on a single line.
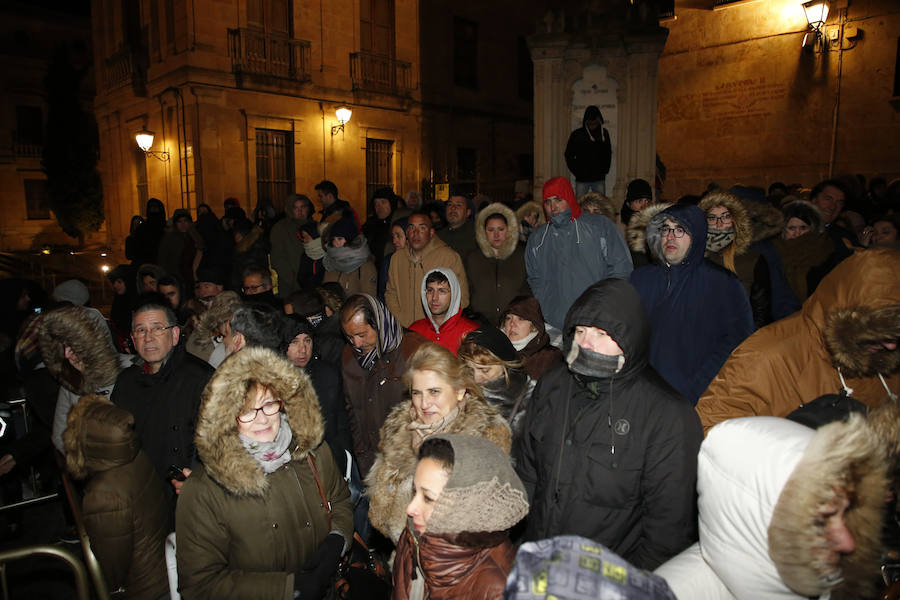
[[699, 311], [162, 390], [257, 287]]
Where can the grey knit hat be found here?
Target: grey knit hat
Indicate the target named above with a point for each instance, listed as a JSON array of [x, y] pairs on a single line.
[[483, 493]]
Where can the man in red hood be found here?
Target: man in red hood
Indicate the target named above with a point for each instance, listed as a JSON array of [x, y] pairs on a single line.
[[570, 252]]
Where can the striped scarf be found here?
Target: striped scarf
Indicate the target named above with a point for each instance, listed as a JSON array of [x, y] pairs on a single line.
[[390, 334]]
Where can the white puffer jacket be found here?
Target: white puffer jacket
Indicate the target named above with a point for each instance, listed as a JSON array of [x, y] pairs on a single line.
[[742, 467]]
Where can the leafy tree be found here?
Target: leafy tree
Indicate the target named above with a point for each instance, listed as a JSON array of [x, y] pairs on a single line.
[[71, 150]]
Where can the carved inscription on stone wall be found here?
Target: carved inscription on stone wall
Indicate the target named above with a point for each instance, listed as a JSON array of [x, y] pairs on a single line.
[[753, 97]]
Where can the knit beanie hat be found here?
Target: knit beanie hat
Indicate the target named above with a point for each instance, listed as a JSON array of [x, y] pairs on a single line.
[[483, 493], [495, 341], [72, 291], [345, 228], [638, 189]]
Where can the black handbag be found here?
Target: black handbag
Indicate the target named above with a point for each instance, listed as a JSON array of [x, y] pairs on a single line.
[[361, 574]]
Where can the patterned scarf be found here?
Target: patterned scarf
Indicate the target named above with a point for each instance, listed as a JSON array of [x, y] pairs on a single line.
[[390, 334], [420, 430], [271, 455], [719, 239]]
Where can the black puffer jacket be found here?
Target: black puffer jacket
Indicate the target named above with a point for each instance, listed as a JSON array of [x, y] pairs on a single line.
[[614, 460]]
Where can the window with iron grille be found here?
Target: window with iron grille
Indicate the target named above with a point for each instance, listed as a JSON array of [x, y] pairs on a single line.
[[465, 53], [379, 165], [274, 167], [37, 201]]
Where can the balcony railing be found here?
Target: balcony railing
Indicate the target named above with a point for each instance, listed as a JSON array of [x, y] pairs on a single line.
[[262, 53], [119, 69], [374, 73]]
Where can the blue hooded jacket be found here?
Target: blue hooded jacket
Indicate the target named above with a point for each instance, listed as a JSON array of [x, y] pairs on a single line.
[[699, 312]]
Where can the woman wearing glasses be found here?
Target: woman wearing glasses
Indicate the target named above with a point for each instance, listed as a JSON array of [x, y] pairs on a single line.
[[251, 522]]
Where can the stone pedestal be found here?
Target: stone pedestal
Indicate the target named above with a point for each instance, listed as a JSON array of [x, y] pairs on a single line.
[[608, 62]]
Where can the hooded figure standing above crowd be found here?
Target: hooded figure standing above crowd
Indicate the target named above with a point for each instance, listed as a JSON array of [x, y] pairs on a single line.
[[570, 252], [498, 265], [699, 312], [608, 450], [589, 153], [844, 337]]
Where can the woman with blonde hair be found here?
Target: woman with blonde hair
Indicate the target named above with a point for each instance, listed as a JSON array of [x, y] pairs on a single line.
[[444, 398]]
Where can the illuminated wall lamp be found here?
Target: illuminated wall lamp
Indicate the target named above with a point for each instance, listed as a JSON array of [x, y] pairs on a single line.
[[343, 116], [816, 14], [144, 141]]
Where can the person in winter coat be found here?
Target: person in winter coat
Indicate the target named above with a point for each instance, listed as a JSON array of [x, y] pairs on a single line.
[[207, 340], [251, 249], [570, 252], [287, 247], [148, 277], [124, 503], [311, 271], [78, 352], [811, 505], [844, 337], [149, 233], [466, 497], [498, 264], [523, 323], [377, 228], [181, 248], [729, 233], [424, 252], [638, 196], [530, 216], [636, 234], [801, 249], [251, 520], [498, 371], [398, 241], [608, 449], [326, 380], [348, 260], [444, 324], [589, 153], [444, 399], [372, 364], [698, 311]]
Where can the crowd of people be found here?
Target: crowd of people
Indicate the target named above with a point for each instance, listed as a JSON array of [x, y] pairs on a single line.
[[446, 382]]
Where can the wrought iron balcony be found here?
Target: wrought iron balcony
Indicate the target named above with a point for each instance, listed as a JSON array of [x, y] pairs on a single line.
[[257, 52], [374, 73], [119, 69]]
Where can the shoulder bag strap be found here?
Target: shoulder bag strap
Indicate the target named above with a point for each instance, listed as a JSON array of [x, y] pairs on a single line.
[[325, 503]]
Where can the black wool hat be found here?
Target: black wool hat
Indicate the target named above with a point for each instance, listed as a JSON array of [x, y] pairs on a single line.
[[495, 341]]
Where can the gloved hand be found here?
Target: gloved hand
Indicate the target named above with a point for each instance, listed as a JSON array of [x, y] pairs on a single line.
[[313, 578]]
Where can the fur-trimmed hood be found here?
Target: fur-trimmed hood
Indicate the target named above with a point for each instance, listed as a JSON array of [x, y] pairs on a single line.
[[218, 445], [855, 305], [99, 436], [765, 219], [390, 479], [804, 210], [220, 310], [743, 230], [88, 336], [528, 208], [636, 233], [512, 233], [851, 455]]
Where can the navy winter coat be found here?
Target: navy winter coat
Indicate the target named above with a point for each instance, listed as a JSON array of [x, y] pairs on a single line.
[[699, 311]]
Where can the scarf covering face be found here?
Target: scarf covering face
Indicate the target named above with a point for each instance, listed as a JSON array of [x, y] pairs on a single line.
[[314, 249], [271, 455], [347, 258], [420, 430], [390, 334], [520, 345], [593, 364], [719, 239]]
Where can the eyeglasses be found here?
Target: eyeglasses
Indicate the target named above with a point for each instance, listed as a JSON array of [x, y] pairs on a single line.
[[724, 219], [268, 409], [676, 231], [154, 331], [253, 288]]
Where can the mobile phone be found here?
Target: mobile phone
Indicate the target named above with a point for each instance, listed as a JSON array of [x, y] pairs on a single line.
[[37, 310], [175, 473]]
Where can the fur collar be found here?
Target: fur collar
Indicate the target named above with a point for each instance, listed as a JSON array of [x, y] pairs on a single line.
[[218, 445], [849, 330], [743, 230], [636, 234], [512, 234], [248, 240], [390, 479], [851, 454], [73, 326]]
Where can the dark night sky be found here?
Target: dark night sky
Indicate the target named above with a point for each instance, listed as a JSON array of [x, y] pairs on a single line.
[[72, 7]]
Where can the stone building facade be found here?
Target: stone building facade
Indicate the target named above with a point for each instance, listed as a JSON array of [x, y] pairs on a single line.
[[740, 102]]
